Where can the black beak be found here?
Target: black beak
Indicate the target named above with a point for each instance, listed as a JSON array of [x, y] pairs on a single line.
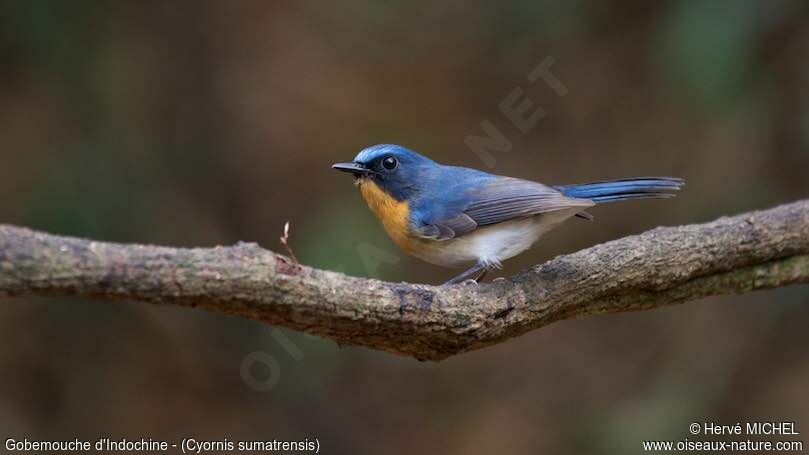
[[354, 168]]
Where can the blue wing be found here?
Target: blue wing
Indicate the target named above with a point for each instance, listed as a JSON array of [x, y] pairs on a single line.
[[469, 204]]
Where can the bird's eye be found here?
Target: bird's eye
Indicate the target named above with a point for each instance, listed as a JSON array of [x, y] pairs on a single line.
[[390, 163]]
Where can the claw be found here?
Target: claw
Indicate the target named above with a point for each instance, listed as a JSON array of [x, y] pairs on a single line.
[[463, 278]]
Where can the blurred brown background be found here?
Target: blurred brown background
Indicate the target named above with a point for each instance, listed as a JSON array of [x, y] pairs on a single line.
[[208, 122]]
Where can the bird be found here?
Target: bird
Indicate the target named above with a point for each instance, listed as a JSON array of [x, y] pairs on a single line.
[[454, 216]]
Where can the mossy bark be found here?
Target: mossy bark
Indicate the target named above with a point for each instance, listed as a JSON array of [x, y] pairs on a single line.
[[664, 266]]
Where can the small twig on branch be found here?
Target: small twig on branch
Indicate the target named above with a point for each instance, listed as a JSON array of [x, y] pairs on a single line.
[[285, 243], [664, 266]]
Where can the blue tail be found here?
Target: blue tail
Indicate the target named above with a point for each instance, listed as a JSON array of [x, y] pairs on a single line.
[[620, 190]]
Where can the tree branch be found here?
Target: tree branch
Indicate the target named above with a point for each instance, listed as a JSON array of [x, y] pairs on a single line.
[[664, 266]]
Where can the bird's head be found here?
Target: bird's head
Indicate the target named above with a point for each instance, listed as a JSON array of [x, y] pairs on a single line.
[[398, 171]]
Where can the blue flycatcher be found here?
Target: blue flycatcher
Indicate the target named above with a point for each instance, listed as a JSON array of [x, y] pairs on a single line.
[[455, 216]]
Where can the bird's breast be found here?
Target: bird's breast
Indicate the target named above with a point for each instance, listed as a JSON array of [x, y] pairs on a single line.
[[394, 215]]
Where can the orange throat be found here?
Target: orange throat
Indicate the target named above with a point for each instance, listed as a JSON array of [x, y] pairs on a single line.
[[392, 213]]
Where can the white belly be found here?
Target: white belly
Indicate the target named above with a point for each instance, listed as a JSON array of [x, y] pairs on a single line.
[[493, 244]]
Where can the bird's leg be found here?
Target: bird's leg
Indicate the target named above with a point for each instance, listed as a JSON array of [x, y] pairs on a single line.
[[482, 274], [472, 271]]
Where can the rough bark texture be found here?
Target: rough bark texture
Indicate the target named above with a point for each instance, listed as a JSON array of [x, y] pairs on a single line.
[[664, 266]]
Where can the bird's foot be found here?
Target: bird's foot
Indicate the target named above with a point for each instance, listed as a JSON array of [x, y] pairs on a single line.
[[464, 277], [466, 282]]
